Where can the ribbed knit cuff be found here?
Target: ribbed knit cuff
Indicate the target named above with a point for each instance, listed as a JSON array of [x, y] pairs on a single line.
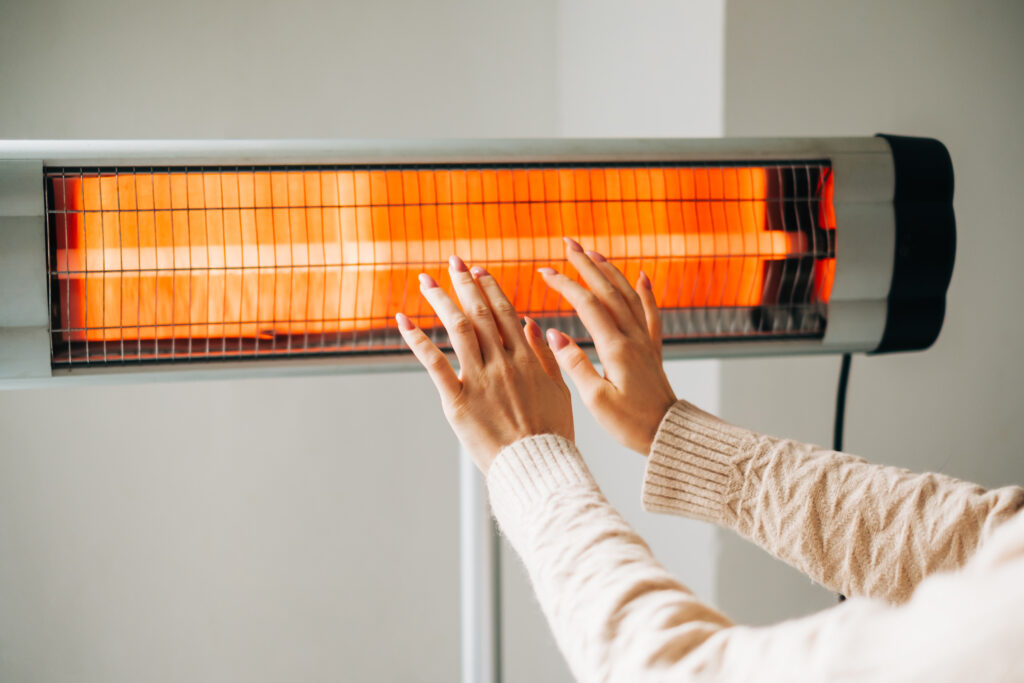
[[695, 465], [528, 472]]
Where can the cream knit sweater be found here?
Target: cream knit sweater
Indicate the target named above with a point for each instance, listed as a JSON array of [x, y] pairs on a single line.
[[934, 566]]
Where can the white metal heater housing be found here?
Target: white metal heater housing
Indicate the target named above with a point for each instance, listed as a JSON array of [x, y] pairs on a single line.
[[134, 259]]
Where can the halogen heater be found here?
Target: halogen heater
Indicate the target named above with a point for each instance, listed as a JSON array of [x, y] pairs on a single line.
[[135, 260], [225, 258]]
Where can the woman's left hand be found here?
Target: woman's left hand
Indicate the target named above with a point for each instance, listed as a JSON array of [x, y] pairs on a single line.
[[509, 385]]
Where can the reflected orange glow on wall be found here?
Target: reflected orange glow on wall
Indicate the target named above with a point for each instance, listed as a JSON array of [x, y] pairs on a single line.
[[257, 254]]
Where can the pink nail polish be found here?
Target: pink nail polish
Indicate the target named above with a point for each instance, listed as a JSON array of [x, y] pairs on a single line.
[[547, 271], [457, 264], [478, 271], [427, 282], [403, 321], [595, 257], [572, 244], [557, 340]]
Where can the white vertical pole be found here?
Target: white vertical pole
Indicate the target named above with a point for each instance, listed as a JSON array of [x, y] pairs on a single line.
[[480, 614]]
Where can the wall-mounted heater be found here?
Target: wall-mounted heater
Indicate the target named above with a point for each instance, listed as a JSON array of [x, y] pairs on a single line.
[[212, 257], [126, 259]]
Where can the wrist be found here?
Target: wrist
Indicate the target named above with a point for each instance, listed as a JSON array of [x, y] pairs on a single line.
[[654, 419]]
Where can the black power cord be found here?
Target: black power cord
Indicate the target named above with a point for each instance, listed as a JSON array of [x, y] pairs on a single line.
[[837, 428], [844, 379]]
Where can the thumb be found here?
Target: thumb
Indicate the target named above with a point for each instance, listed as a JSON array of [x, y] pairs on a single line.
[[535, 338], [575, 363]]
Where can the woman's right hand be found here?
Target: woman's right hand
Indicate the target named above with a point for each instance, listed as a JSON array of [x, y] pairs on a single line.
[[634, 394]]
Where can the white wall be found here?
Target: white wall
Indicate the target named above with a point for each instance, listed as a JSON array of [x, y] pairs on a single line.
[[253, 530], [307, 69], [282, 529], [946, 69], [647, 69]]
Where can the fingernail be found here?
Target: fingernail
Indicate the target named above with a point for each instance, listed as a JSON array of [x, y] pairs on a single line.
[[403, 321], [478, 271], [644, 281], [557, 340], [427, 282], [547, 271], [573, 244], [457, 264], [595, 257], [530, 326]]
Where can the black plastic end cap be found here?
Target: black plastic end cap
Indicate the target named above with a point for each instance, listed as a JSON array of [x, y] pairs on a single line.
[[925, 243]]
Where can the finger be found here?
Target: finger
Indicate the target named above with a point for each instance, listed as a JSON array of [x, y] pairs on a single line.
[[461, 333], [620, 282], [431, 358], [476, 308], [574, 362], [593, 314], [535, 338], [599, 284], [651, 313], [504, 312]]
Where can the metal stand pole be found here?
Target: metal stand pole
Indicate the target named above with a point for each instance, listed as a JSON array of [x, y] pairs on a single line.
[[480, 609]]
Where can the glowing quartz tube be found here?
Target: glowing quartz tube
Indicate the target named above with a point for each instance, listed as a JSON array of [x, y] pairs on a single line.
[[307, 257]]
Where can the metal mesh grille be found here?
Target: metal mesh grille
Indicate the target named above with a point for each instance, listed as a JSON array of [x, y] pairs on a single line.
[[171, 264]]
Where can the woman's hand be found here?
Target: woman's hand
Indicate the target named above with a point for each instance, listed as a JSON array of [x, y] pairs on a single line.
[[509, 385], [634, 394]]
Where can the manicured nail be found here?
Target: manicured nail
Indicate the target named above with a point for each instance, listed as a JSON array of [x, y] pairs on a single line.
[[457, 264], [645, 282], [557, 340], [427, 282], [572, 244], [403, 321], [547, 271], [595, 257], [530, 326], [478, 271]]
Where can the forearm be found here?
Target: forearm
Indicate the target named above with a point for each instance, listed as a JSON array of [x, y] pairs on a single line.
[[616, 614], [857, 528]]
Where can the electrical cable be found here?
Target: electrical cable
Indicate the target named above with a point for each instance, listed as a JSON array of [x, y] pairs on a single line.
[[844, 379], [837, 428]]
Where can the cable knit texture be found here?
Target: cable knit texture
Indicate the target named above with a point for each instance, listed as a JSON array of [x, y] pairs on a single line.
[[856, 528], [617, 615]]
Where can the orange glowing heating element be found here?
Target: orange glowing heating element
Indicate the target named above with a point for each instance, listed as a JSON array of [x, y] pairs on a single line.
[[149, 255]]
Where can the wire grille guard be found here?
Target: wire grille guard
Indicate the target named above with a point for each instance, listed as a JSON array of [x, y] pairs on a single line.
[[202, 263]]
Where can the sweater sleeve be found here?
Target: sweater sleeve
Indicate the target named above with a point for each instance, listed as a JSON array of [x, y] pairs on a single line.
[[855, 527], [617, 615], [613, 609]]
